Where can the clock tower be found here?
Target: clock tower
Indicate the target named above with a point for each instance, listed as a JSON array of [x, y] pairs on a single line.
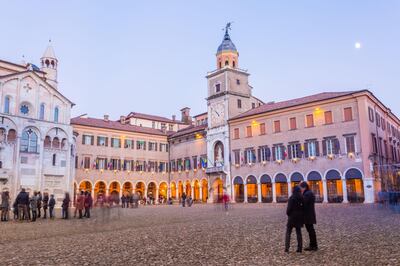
[[229, 94]]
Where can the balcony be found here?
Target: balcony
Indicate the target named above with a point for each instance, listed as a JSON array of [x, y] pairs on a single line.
[[215, 170]]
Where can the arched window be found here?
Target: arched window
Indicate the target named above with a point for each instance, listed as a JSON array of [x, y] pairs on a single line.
[[56, 114], [226, 63], [41, 112], [29, 141], [233, 64], [54, 159], [47, 62], [7, 101]]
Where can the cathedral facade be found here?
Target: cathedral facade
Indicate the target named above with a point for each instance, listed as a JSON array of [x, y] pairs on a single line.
[[37, 146]]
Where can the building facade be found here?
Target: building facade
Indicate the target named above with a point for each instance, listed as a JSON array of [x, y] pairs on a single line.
[[345, 144], [37, 146]]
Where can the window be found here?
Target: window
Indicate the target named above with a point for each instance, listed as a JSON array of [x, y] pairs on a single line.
[[187, 164], [195, 164], [217, 87], [152, 146], [164, 147], [262, 129], [171, 127], [348, 114], [278, 152], [236, 156], [250, 156], [29, 141], [115, 164], [101, 163], [116, 142], [383, 124], [388, 127], [294, 151], [328, 117], [236, 133], [56, 111], [7, 101], [311, 148], [277, 126], [385, 146], [24, 109], [239, 103], [309, 120], [249, 132], [153, 124], [128, 144], [264, 154], [253, 105], [330, 146], [292, 123], [87, 140], [102, 141], [371, 114], [141, 145], [86, 163], [374, 144], [54, 160], [350, 144], [237, 81], [41, 111], [226, 63], [378, 119]]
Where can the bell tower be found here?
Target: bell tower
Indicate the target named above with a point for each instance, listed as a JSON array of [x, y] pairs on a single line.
[[49, 64], [227, 55]]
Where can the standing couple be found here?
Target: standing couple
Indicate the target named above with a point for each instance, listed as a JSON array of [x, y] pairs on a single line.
[[301, 211]]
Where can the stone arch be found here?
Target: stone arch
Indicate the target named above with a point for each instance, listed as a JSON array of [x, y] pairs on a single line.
[[151, 190], [334, 185], [238, 186], [266, 188], [281, 187], [204, 189], [314, 180], [127, 188], [252, 189], [140, 188], [354, 185], [173, 190], [163, 191], [295, 179], [218, 189], [100, 188], [188, 188], [196, 190]]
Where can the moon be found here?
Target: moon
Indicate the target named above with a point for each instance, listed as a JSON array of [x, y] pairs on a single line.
[[357, 45]]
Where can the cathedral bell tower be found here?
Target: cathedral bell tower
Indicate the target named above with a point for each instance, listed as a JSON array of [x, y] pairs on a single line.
[[227, 55], [49, 64]]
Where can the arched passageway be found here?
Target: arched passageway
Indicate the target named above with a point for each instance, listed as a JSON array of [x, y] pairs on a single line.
[[127, 188], [218, 189], [140, 188], [334, 186], [354, 185], [163, 192], [151, 190], [281, 188], [173, 190], [114, 191], [196, 192], [314, 180], [100, 189], [204, 190], [266, 189], [252, 190], [295, 179], [238, 189]]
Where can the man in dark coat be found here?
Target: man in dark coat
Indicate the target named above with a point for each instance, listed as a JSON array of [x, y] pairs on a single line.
[[22, 201], [309, 215]]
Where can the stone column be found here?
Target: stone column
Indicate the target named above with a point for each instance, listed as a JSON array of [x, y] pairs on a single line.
[[200, 193], [192, 192], [177, 192], [289, 189], [273, 192], [345, 199], [259, 192], [325, 191], [245, 193]]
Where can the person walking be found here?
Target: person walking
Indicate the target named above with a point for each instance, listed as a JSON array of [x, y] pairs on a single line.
[[65, 206], [52, 203], [22, 202], [88, 204], [34, 206], [80, 204], [183, 199], [45, 204], [309, 215], [295, 213], [5, 205], [39, 203]]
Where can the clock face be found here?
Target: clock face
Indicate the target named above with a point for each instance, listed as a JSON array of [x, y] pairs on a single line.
[[217, 114]]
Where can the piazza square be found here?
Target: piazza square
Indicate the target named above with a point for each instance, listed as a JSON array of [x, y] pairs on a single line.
[[106, 161]]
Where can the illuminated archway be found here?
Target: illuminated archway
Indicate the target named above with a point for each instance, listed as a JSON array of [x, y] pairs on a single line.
[[218, 189], [140, 188], [252, 190], [113, 191], [163, 191], [180, 189], [151, 190], [354, 185], [204, 190], [334, 186], [281, 188], [266, 188], [196, 190], [239, 189], [188, 189], [314, 180], [173, 190], [295, 179], [100, 189], [127, 188]]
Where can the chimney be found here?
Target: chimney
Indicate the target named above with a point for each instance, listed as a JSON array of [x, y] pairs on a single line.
[[173, 117], [106, 118], [122, 119], [185, 115]]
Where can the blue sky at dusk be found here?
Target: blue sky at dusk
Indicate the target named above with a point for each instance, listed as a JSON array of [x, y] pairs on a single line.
[[152, 56]]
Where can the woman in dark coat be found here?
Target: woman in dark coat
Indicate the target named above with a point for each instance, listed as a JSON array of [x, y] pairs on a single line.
[[295, 213], [65, 206]]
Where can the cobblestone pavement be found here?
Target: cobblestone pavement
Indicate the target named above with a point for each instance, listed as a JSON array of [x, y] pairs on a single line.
[[249, 234]]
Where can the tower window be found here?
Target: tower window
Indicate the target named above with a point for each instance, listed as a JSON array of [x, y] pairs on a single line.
[[217, 87], [54, 159], [239, 103], [238, 80], [47, 62], [41, 113], [7, 105], [56, 115], [233, 64], [226, 63], [220, 65]]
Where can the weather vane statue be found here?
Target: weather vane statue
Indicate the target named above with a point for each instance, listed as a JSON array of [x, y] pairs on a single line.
[[228, 27]]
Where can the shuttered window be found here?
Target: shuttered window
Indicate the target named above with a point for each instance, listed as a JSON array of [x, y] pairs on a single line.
[[328, 117], [348, 114], [277, 126], [309, 120], [292, 123]]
